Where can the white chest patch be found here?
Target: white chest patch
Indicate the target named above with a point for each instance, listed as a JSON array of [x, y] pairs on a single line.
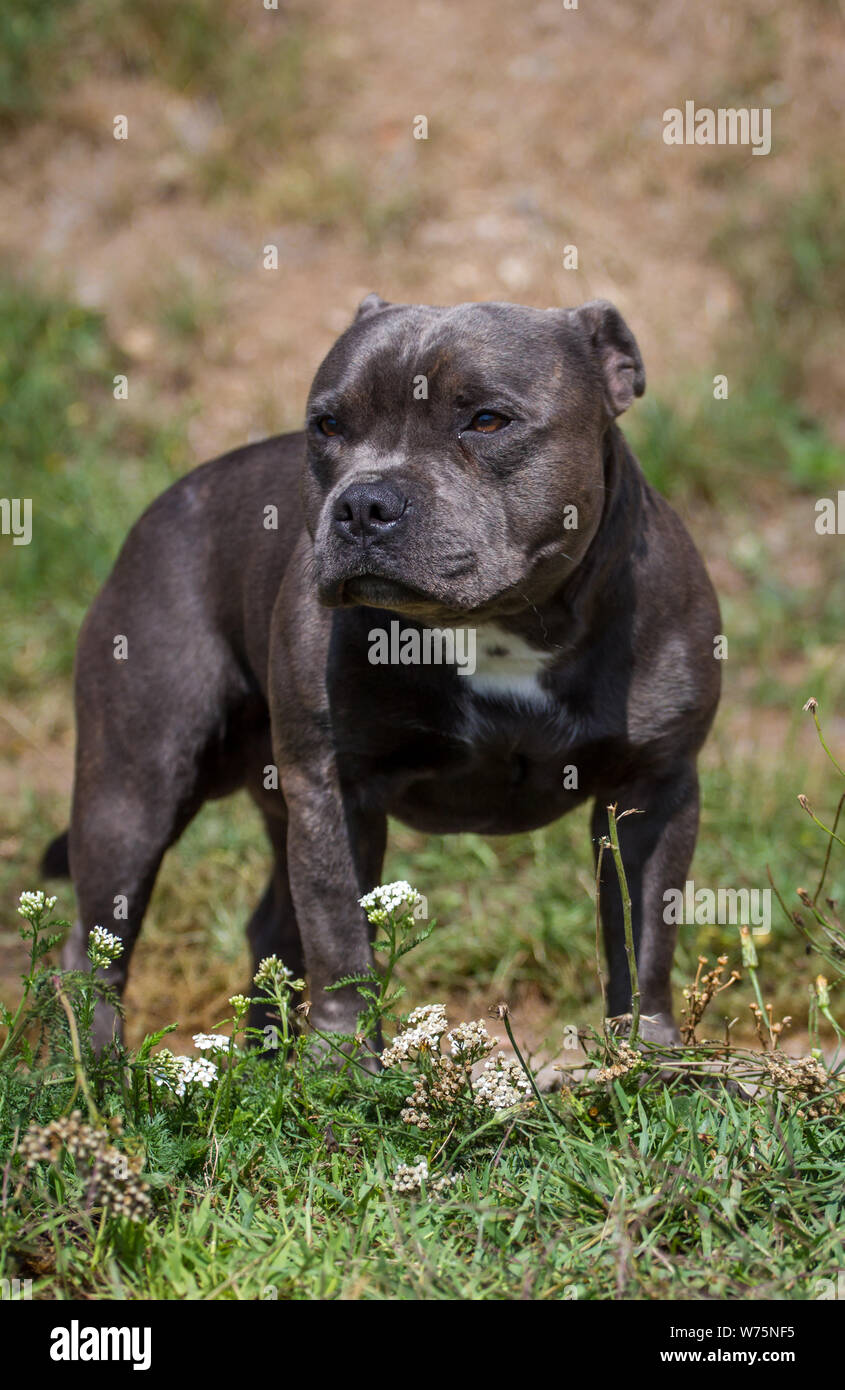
[[507, 667]]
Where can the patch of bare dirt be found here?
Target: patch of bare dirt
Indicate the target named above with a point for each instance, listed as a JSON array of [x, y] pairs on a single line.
[[545, 130]]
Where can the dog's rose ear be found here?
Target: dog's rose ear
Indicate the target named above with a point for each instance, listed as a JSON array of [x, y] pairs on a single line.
[[616, 352], [370, 305]]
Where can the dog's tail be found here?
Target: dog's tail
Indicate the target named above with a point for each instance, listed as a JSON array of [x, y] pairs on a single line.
[[55, 862]]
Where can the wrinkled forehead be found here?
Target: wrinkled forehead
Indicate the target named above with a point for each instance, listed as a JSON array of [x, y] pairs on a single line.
[[468, 350]]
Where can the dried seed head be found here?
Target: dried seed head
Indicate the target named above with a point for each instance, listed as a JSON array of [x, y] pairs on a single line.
[[112, 1176]]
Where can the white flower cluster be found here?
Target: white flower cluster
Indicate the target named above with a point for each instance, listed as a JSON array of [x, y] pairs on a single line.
[[389, 897], [442, 1080], [502, 1084], [470, 1041], [415, 1110], [200, 1071], [103, 947], [437, 1090], [410, 1177], [423, 1032], [211, 1042], [33, 904], [178, 1073]]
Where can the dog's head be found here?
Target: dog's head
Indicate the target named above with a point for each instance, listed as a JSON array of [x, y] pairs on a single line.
[[454, 457]]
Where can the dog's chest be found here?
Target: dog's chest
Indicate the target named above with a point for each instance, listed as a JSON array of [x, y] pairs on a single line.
[[499, 761], [507, 668], [513, 728]]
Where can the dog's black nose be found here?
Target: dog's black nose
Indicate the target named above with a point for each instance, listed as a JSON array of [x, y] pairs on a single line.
[[367, 511]]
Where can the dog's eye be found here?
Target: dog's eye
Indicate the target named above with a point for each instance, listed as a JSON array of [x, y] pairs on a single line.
[[488, 421], [328, 425]]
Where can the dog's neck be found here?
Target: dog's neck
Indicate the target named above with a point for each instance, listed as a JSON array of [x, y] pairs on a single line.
[[594, 590]]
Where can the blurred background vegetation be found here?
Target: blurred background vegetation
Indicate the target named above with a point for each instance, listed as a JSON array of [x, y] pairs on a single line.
[[293, 127]]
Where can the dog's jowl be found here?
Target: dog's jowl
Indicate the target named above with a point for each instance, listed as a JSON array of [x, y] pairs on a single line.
[[461, 470]]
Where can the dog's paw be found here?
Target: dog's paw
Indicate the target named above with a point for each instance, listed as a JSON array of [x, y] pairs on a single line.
[[659, 1029]]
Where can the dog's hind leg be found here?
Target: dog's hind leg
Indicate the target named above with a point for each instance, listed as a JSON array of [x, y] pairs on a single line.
[[656, 846], [117, 840], [150, 729]]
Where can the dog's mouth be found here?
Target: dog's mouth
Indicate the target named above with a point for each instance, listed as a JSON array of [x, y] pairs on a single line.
[[444, 599], [377, 592]]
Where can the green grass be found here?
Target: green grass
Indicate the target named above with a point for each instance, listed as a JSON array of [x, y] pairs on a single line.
[[719, 449], [87, 461], [786, 256], [247, 60], [30, 40], [277, 1181], [565, 1211]]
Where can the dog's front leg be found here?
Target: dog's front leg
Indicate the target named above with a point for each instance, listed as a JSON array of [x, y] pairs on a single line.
[[329, 841], [334, 845], [657, 847]]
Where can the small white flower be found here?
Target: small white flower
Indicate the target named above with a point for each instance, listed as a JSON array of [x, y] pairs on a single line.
[[389, 897], [423, 1032], [199, 1072], [211, 1042], [178, 1073], [502, 1084], [409, 1178], [33, 904], [103, 947], [470, 1041]]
